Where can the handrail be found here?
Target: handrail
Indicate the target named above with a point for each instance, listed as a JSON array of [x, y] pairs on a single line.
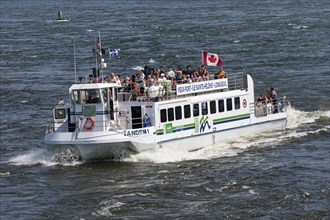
[[235, 81], [138, 122]]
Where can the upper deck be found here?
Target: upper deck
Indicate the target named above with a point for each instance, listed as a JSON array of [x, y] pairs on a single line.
[[171, 90]]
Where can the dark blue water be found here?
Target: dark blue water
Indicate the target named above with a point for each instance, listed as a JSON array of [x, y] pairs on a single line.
[[280, 175]]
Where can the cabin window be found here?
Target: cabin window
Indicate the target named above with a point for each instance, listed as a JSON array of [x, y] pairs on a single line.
[[178, 112], [196, 110], [170, 114], [93, 96], [163, 116], [221, 105], [213, 107], [237, 102], [229, 104], [204, 108], [187, 112], [76, 97], [87, 96], [105, 95]]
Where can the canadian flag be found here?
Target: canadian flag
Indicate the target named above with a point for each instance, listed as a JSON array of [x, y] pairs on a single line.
[[211, 59]]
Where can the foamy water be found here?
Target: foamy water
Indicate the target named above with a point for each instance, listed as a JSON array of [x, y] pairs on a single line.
[[45, 158]]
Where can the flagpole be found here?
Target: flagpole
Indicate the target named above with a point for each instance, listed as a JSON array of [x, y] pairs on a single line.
[[202, 60], [101, 68]]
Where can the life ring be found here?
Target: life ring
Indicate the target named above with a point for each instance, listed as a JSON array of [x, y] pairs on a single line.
[[89, 126]]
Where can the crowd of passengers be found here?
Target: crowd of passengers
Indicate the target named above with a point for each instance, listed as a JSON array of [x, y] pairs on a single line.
[[269, 102], [159, 77]]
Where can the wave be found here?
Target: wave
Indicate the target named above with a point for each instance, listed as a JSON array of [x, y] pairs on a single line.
[[46, 158]]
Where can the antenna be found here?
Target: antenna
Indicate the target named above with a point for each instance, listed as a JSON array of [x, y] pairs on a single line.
[[74, 60]]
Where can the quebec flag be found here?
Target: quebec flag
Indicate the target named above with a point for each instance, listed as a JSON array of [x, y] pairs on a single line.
[[114, 52]]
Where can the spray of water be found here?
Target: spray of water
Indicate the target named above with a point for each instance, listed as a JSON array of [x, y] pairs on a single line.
[[44, 157]]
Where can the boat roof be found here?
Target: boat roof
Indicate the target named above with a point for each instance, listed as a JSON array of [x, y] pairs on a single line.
[[93, 86]]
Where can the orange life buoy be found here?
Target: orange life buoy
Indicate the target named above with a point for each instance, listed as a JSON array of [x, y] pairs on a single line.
[[89, 126]]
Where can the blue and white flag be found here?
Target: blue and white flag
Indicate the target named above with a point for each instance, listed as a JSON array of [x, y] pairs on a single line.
[[114, 52]]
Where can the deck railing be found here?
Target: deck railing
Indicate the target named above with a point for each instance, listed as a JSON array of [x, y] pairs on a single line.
[[235, 81], [264, 108], [119, 124]]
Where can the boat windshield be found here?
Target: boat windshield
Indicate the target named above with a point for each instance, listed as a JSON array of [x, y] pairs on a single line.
[[89, 96]]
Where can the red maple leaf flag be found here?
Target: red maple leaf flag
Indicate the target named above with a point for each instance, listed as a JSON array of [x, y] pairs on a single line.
[[211, 59]]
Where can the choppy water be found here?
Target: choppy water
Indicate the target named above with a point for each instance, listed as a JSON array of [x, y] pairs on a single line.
[[281, 175]]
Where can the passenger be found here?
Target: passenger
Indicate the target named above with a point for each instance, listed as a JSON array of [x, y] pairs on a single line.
[[112, 78], [178, 75], [184, 78], [170, 73], [220, 74], [128, 83], [260, 101], [268, 96], [189, 71], [273, 94], [206, 76], [156, 80], [189, 80], [274, 99], [141, 81], [203, 71], [161, 70], [147, 70], [119, 83], [91, 99], [146, 121], [195, 76], [200, 78], [162, 80]]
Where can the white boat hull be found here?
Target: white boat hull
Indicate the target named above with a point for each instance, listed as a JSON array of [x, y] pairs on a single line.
[[115, 145]]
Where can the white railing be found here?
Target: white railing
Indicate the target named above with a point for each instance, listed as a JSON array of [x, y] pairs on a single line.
[[235, 81]]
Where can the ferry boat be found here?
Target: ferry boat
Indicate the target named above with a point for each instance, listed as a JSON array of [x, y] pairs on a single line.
[[107, 121]]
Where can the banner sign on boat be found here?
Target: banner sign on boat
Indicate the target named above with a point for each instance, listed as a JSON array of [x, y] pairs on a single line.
[[196, 87]]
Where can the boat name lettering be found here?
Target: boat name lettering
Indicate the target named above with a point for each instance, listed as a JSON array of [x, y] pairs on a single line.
[[136, 132], [183, 89]]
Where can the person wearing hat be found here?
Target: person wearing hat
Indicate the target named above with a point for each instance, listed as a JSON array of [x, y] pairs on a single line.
[[189, 80], [162, 79]]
